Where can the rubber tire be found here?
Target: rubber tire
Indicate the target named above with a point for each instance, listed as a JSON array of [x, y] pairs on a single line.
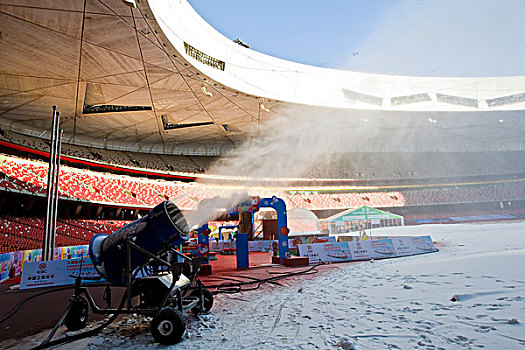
[[168, 326], [208, 301], [77, 316]]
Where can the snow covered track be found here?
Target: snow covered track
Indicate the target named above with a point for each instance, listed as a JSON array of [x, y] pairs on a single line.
[[395, 303]]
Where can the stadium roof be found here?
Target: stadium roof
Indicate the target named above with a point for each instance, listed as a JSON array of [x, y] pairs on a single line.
[[156, 76]]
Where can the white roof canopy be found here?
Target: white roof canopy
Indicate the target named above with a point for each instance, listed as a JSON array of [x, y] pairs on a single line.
[[258, 74]]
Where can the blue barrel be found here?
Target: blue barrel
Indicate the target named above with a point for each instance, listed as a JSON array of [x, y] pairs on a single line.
[[163, 226]]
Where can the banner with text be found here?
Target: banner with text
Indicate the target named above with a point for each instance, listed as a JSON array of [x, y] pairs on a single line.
[[366, 250], [57, 273], [221, 245], [259, 246], [375, 249], [413, 245], [265, 246], [325, 252]]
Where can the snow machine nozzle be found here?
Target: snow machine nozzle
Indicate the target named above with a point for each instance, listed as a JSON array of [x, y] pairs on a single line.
[[162, 227]]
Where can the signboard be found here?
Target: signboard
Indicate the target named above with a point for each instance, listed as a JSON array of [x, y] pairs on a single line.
[[326, 239], [382, 248], [5, 266], [368, 238], [325, 252], [56, 273], [11, 263], [413, 245], [221, 245], [265, 246], [361, 250], [403, 246], [259, 246], [366, 250], [73, 252], [294, 242], [32, 255], [423, 244]]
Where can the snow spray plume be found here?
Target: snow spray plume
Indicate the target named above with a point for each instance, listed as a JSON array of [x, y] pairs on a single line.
[[330, 143], [302, 142], [293, 142], [291, 145], [211, 208]]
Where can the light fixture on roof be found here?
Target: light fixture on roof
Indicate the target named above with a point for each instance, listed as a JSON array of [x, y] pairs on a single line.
[[261, 105], [130, 3], [501, 120], [363, 119], [168, 126], [240, 42], [99, 109], [205, 91], [230, 128], [432, 120]]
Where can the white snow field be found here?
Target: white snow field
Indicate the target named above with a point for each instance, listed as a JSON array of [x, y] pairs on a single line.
[[402, 303]]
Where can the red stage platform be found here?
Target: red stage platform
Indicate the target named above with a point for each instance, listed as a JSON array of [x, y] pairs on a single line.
[[229, 262]]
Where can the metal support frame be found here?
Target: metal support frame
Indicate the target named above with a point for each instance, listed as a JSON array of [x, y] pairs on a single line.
[[48, 244], [59, 323], [183, 301], [55, 195], [130, 309]]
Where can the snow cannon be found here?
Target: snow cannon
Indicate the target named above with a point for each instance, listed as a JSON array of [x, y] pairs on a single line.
[[142, 258], [162, 227]]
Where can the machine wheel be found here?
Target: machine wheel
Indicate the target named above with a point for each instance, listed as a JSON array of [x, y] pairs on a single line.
[[208, 301], [77, 316], [168, 326]]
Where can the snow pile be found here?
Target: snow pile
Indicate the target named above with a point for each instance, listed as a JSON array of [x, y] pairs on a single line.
[[470, 294]]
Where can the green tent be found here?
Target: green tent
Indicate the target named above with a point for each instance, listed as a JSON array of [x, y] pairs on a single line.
[[353, 220]]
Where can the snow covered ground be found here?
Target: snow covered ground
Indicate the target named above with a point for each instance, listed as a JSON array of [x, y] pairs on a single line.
[[402, 303]]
